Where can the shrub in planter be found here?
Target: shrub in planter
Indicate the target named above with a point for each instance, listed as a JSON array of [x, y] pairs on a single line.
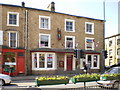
[[110, 76], [85, 78], [52, 80]]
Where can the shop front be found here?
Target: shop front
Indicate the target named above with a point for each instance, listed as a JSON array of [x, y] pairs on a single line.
[[52, 61], [12, 61]]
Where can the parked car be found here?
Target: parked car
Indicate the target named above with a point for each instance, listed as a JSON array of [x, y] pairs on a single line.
[[110, 83], [5, 79]]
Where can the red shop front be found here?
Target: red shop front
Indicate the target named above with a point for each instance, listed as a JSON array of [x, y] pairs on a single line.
[[12, 61]]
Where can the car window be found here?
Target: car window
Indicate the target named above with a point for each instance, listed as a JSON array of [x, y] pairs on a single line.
[[112, 71], [118, 70]]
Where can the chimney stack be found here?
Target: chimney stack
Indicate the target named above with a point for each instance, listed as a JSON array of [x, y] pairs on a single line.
[[23, 4], [51, 7]]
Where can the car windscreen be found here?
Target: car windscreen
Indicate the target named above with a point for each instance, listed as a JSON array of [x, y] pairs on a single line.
[[112, 71]]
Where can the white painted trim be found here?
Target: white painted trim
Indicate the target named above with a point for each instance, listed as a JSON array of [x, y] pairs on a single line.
[[65, 64], [73, 21], [49, 22], [17, 14], [92, 28], [92, 61], [74, 63]]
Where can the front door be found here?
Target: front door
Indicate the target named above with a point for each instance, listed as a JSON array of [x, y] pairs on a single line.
[[69, 62], [21, 63]]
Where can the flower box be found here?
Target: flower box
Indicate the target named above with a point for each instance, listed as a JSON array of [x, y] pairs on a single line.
[[51, 81], [110, 77], [85, 78]]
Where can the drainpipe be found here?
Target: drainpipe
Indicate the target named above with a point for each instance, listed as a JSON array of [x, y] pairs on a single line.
[[26, 29]]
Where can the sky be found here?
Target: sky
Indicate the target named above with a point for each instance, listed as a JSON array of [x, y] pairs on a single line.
[[87, 8]]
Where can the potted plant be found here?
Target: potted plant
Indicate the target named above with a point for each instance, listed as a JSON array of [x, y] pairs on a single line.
[[51, 80], [110, 76], [85, 78]]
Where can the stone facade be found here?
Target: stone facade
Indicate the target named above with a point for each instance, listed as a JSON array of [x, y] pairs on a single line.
[[29, 32], [112, 45]]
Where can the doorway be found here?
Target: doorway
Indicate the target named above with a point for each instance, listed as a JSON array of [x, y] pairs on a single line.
[[69, 62]]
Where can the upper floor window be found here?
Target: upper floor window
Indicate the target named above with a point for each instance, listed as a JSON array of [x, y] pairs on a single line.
[[44, 41], [69, 42], [110, 43], [13, 41], [118, 51], [89, 43], [111, 52], [69, 25], [13, 19], [44, 22], [89, 28]]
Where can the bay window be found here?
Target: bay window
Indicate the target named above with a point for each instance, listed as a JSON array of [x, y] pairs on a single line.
[[91, 60], [43, 61]]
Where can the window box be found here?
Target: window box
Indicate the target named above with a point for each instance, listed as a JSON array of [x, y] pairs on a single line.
[[85, 78], [54, 80], [110, 77]]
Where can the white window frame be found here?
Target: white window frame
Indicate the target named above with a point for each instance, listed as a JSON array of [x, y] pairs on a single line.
[[73, 37], [92, 60], [45, 68], [16, 45], [86, 44], [98, 61], [49, 40], [86, 28], [1, 37], [17, 22], [73, 21], [49, 22]]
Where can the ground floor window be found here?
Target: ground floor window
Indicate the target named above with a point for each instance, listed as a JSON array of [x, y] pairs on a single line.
[[91, 60], [43, 61], [9, 61]]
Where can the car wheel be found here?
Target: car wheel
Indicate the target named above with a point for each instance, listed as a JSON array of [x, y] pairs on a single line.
[[116, 85], [2, 82]]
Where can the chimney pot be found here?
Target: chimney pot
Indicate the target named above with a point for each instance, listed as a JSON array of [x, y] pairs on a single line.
[[23, 4], [51, 7]]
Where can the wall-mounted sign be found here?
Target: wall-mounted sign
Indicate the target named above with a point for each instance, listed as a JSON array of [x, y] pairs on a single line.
[[61, 64], [59, 33]]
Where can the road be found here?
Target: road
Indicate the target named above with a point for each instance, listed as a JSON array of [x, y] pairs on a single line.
[[30, 83]]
